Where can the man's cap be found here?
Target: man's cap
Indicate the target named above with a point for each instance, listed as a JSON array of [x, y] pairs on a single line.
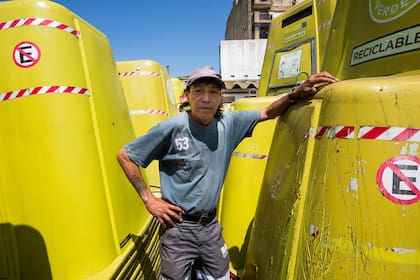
[[207, 72]]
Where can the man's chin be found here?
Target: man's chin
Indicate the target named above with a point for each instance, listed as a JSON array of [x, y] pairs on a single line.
[[207, 112]]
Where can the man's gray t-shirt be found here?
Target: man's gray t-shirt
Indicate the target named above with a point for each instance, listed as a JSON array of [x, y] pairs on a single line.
[[193, 160]]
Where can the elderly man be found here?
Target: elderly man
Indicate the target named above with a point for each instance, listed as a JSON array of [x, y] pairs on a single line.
[[194, 150]]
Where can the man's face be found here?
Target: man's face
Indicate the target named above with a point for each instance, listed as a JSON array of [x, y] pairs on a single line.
[[204, 98]]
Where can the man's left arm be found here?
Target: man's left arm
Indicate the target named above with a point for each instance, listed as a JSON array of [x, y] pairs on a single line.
[[306, 89]]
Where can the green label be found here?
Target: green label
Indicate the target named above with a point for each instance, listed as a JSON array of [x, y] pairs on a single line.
[[388, 10]]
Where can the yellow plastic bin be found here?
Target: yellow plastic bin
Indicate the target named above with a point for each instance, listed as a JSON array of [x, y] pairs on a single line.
[[66, 209], [150, 98], [340, 195], [178, 87], [243, 182]]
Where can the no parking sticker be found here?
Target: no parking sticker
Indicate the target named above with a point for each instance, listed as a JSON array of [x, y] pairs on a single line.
[[26, 54], [398, 179]]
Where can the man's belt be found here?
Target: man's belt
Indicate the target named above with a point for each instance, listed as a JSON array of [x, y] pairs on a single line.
[[202, 219]]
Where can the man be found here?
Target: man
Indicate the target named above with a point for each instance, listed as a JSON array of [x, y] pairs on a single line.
[[194, 150]]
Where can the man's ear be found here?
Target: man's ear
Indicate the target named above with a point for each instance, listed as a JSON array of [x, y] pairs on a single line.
[[184, 97]]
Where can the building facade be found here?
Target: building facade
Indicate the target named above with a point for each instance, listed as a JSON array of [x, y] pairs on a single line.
[[250, 19]]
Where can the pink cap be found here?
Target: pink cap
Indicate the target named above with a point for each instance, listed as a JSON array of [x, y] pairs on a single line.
[[206, 72]]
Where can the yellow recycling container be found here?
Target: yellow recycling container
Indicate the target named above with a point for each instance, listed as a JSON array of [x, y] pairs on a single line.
[[243, 182], [340, 198], [295, 46], [340, 195], [178, 87], [150, 98], [384, 41], [66, 209]]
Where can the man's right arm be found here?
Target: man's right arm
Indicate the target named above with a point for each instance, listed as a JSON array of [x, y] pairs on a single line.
[[159, 208]]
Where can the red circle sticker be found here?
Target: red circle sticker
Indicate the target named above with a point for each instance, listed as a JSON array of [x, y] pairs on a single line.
[[26, 54], [398, 179]]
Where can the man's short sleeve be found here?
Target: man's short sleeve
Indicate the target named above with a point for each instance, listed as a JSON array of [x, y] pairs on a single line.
[[147, 147], [244, 122]]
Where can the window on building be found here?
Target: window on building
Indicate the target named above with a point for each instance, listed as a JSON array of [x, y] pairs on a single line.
[[264, 15], [264, 31]]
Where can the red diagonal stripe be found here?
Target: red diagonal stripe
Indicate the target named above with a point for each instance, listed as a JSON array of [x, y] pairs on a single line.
[[69, 89], [323, 130], [52, 89], [406, 134], [21, 93], [62, 26], [35, 90], [403, 178], [14, 23], [29, 21], [27, 55], [2, 24], [45, 22], [344, 131], [7, 95], [374, 132]]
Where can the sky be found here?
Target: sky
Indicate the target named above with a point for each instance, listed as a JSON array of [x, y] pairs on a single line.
[[179, 34]]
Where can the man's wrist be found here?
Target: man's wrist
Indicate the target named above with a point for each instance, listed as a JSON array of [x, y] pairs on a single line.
[[293, 97]]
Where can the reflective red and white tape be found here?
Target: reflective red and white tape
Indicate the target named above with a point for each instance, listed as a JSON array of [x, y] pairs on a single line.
[[339, 131], [148, 112], [38, 22], [390, 133], [246, 155], [325, 24], [141, 73], [42, 90], [367, 132]]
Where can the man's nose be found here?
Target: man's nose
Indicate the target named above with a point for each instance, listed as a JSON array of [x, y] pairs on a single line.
[[205, 96]]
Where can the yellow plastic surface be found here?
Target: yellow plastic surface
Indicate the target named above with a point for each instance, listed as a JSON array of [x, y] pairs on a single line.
[[178, 87], [384, 39], [150, 98], [340, 195], [333, 219], [295, 46], [243, 182], [65, 204]]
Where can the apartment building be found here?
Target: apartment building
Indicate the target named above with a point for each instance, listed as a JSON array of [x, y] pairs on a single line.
[[250, 19]]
